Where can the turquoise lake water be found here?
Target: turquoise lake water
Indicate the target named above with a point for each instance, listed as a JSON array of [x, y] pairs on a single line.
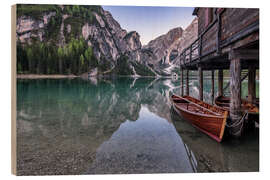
[[121, 125]]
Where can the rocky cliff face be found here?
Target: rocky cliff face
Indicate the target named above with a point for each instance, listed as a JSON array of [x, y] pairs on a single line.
[[101, 32], [28, 28], [160, 46], [105, 34], [164, 51], [110, 38], [58, 25], [190, 34]]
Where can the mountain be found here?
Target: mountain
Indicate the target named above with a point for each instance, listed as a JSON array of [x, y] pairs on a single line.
[[54, 39], [189, 35], [72, 39], [163, 52], [158, 49]]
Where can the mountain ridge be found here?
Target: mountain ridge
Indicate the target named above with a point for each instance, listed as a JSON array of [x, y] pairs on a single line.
[[88, 38]]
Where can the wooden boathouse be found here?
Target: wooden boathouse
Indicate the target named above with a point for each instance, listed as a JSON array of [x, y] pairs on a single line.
[[228, 38]]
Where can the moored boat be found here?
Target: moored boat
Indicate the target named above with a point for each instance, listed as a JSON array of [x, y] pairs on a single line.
[[207, 118], [224, 102]]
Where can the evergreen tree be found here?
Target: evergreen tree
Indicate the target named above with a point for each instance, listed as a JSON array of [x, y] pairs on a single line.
[[81, 64], [60, 53], [30, 59]]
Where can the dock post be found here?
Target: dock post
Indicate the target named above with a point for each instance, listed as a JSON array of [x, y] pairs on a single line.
[[235, 101], [251, 83], [182, 81], [200, 76], [187, 82], [213, 85], [220, 82]]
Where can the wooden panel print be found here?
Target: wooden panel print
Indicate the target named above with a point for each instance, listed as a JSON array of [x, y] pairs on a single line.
[[102, 89]]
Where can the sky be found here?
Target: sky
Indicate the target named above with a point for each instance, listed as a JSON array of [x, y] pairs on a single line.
[[151, 22]]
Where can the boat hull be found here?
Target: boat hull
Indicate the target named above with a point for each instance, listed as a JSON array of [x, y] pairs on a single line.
[[224, 102], [212, 125]]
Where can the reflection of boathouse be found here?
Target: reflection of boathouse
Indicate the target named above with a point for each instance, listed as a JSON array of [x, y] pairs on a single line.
[[228, 38]]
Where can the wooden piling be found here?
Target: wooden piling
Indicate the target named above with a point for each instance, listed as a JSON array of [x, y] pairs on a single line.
[[187, 82], [200, 79], [235, 101], [220, 82], [251, 83], [213, 85], [182, 81]]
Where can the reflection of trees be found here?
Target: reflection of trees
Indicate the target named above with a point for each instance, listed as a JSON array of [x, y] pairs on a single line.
[[77, 115], [77, 103]]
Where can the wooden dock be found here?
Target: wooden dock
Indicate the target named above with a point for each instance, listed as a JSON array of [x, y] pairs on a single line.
[[228, 38]]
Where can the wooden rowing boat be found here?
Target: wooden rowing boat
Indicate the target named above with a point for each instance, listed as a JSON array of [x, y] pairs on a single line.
[[207, 118], [224, 102]]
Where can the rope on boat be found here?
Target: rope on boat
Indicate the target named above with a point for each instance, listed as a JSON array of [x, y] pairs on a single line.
[[237, 123]]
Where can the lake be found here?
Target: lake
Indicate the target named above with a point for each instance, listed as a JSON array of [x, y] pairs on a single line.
[[118, 125]]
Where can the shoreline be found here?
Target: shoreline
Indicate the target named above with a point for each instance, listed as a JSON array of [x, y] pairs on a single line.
[[45, 76], [62, 76]]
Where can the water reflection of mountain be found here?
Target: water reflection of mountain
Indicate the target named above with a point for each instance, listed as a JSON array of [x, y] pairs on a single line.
[[147, 145], [67, 119], [65, 126], [81, 101]]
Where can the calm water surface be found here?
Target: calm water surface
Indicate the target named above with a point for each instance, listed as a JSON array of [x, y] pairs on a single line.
[[123, 125]]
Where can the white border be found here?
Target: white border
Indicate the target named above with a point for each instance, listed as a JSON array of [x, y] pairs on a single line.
[[264, 84]]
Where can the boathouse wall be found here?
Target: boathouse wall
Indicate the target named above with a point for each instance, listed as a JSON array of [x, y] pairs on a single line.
[[219, 31]]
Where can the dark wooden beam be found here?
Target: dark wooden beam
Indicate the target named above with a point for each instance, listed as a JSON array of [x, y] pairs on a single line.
[[220, 82], [218, 36], [215, 66], [182, 81], [246, 64], [244, 54], [235, 101], [200, 47], [187, 82], [251, 84], [213, 85], [200, 80]]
